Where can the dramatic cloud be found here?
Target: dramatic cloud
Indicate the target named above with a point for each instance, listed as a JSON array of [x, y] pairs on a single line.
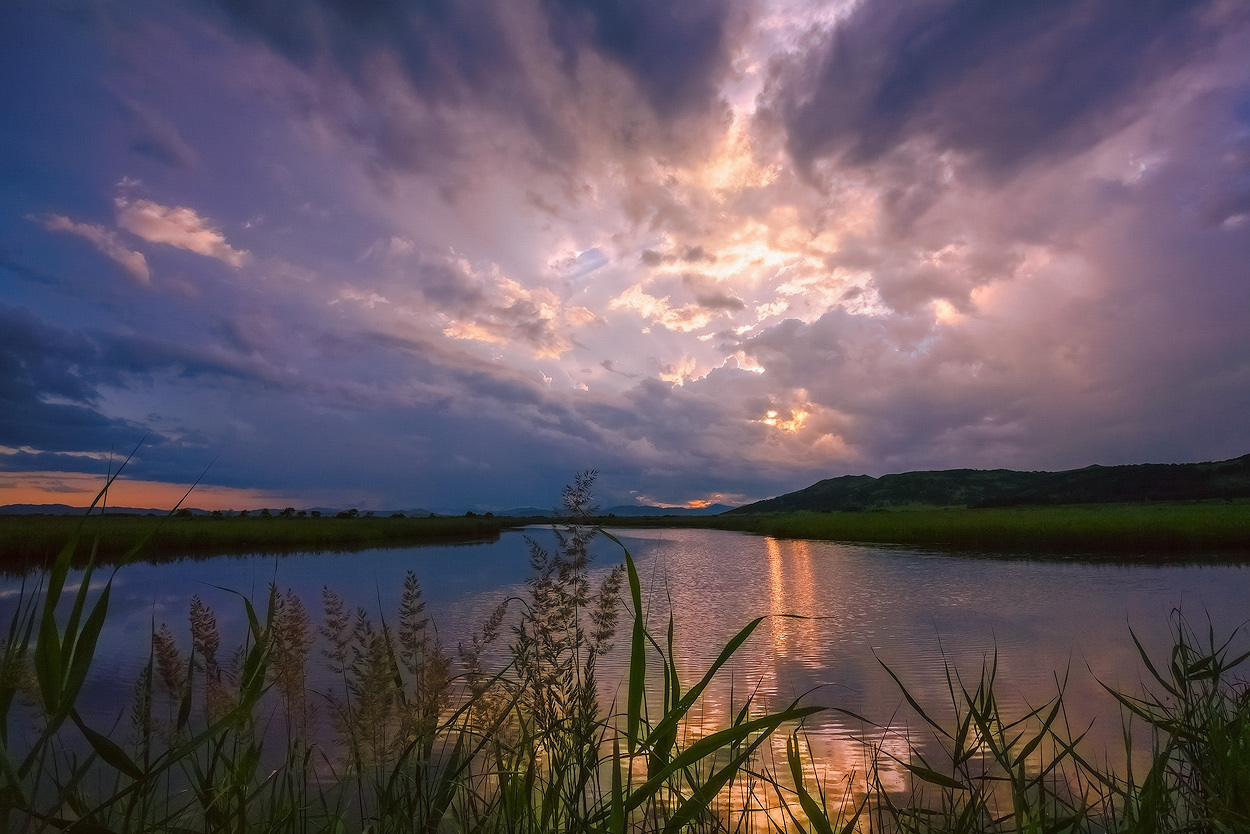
[[709, 248], [46, 403], [1003, 84], [677, 52]]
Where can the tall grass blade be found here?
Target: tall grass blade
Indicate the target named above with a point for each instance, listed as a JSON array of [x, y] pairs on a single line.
[[704, 794], [664, 736], [107, 749], [815, 814], [637, 656], [915, 705], [616, 816], [934, 778], [710, 744]]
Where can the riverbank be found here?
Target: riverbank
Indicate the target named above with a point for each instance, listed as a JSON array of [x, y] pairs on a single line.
[[33, 541], [1182, 529], [1178, 528]]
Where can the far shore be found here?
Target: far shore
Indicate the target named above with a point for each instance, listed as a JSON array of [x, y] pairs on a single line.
[[1173, 530], [30, 541], [1194, 530]]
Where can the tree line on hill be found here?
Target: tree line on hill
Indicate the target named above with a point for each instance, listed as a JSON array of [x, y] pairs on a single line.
[[973, 488]]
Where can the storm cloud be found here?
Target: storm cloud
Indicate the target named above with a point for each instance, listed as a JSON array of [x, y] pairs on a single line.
[[1006, 85], [445, 254]]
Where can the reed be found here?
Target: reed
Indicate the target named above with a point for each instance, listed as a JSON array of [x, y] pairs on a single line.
[[512, 733]]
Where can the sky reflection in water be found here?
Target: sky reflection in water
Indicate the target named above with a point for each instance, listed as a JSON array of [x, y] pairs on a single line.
[[915, 611]]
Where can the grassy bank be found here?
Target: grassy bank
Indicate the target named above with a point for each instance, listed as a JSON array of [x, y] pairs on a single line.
[[511, 735], [27, 541], [1181, 529], [1127, 529]]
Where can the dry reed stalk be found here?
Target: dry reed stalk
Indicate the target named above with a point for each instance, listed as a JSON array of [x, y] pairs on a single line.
[[292, 640], [206, 642], [169, 665], [337, 630]]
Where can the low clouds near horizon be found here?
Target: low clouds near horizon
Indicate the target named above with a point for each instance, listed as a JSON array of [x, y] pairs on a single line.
[[446, 255]]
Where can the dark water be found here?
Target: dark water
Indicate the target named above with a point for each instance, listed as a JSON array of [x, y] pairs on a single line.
[[915, 611]]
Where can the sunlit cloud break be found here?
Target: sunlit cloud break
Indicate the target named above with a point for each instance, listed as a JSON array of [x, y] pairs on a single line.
[[180, 227]]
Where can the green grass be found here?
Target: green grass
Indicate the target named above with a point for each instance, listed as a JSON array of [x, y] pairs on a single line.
[[30, 541], [1197, 527], [511, 734], [1176, 529]]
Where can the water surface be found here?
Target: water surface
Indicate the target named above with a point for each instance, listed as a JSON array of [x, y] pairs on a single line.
[[917, 612]]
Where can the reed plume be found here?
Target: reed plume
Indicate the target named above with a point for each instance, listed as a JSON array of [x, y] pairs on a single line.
[[422, 657], [337, 631], [292, 640], [141, 720], [169, 665], [205, 642]]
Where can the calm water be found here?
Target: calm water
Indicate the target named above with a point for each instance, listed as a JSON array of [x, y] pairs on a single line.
[[915, 611]]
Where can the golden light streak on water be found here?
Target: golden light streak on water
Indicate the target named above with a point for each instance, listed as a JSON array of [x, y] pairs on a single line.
[[777, 598]]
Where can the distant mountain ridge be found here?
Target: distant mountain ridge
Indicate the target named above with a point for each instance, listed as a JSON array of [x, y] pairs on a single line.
[[66, 509], [1010, 488]]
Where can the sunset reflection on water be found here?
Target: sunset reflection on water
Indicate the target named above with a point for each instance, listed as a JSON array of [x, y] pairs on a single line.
[[836, 614], [792, 593], [833, 615]]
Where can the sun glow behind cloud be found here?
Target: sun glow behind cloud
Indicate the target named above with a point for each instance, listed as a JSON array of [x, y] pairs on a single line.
[[790, 423], [733, 166]]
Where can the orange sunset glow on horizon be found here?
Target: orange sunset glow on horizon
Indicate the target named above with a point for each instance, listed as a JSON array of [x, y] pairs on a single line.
[[77, 489]]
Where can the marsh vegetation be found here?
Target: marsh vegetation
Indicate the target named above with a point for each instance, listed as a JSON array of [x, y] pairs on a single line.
[[1190, 529], [1178, 527], [33, 541]]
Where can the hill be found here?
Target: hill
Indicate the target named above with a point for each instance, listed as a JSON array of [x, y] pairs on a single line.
[[1008, 488], [66, 509]]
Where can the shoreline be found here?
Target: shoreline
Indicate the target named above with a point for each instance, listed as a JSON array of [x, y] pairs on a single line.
[[1167, 531], [31, 541]]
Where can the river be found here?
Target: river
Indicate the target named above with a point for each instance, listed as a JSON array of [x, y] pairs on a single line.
[[864, 607]]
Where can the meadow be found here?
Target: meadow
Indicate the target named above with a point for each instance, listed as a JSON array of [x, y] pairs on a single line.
[[1159, 528], [1175, 529], [509, 733], [32, 540]]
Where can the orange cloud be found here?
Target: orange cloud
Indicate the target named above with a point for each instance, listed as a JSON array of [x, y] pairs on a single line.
[[176, 226]]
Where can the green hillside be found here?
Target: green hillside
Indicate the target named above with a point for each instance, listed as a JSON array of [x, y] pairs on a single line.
[[1008, 488]]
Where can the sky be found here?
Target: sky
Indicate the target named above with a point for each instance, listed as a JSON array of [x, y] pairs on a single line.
[[446, 254]]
